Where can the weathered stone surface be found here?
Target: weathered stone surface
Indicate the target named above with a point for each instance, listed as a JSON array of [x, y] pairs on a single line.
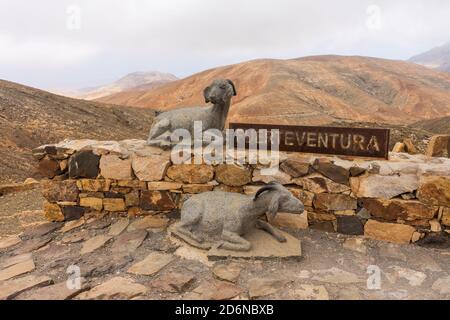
[[71, 225], [318, 184], [335, 276], [94, 243], [295, 167], [191, 173], [228, 272], [173, 282], [414, 278], [118, 227], [9, 242], [409, 146], [334, 172], [397, 209], [112, 167], [197, 188], [152, 264], [355, 244], [330, 201], [291, 220], [128, 242], [435, 226], [356, 171], [385, 187], [58, 291], [214, 290], [115, 288], [98, 223], [261, 287], [438, 146], [233, 175], [305, 197], [94, 203], [94, 185], [95, 266], [445, 220], [442, 285], [48, 168], [33, 244], [149, 222], [399, 147], [134, 184], [350, 225], [225, 188], [114, 205], [12, 288], [320, 216], [150, 168], [76, 237], [55, 191], [40, 230], [132, 199], [164, 186], [280, 177], [263, 246], [435, 191], [53, 212], [310, 292], [72, 212], [17, 269], [84, 164], [391, 232], [156, 201]]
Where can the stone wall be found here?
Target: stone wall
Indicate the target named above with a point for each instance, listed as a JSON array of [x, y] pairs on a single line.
[[401, 200]]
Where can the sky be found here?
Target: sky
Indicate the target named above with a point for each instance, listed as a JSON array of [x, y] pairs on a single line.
[[62, 44]]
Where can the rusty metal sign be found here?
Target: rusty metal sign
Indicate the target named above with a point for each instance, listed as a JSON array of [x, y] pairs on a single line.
[[360, 142]]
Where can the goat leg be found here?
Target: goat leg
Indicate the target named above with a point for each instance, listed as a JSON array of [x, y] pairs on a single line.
[[233, 241], [263, 225]]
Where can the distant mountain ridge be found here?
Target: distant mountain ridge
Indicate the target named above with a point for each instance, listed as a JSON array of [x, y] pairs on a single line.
[[437, 58], [142, 80]]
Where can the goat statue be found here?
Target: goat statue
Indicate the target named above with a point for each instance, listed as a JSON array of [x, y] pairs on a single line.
[[211, 117], [225, 216]]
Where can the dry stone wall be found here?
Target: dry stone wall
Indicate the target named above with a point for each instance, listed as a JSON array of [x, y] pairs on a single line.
[[402, 200]]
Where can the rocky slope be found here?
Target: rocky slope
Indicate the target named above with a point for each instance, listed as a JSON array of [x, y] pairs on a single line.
[[437, 58], [135, 81], [31, 117], [438, 125], [313, 90]]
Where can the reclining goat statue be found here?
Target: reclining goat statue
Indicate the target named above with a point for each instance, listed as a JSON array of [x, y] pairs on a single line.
[[211, 117], [229, 216]]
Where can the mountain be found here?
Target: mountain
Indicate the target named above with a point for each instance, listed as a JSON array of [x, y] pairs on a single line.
[[136, 80], [313, 91], [437, 126], [30, 117], [437, 58]]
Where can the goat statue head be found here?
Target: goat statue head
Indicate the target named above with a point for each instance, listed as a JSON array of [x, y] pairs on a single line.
[[220, 91]]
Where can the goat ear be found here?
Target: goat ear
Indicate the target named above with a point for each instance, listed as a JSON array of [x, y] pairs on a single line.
[[206, 94], [234, 88], [273, 207]]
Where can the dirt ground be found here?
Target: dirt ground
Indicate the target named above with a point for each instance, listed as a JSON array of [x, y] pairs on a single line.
[[331, 266]]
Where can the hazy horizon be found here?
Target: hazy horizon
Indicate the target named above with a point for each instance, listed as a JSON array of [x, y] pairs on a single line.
[[80, 43]]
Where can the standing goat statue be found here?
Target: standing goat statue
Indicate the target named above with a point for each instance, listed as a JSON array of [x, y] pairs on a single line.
[[211, 117], [225, 216]]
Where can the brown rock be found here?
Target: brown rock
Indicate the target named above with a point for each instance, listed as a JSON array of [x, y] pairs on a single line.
[[435, 191], [295, 167], [76, 237], [320, 216], [134, 184], [260, 287], [334, 172], [9, 242], [305, 197], [399, 147], [280, 177], [132, 199], [149, 222], [225, 188], [173, 282], [49, 168], [40, 230], [94, 203], [197, 188], [156, 201], [114, 205], [409, 146], [351, 225], [291, 220], [438, 146], [316, 183], [191, 173], [435, 226], [214, 290], [115, 288], [94, 243], [228, 272], [12, 288], [17, 269], [53, 212], [72, 212], [385, 187], [94, 185], [150, 168], [112, 167], [329, 201], [65, 190], [233, 175], [152, 264], [445, 220], [71, 225], [118, 227], [128, 242], [84, 164], [164, 186], [33, 244], [391, 232], [397, 209], [58, 291]]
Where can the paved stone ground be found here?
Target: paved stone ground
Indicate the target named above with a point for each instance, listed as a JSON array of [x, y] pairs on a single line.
[[121, 258]]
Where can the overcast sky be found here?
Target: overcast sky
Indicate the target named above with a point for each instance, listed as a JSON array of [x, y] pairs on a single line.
[[59, 44]]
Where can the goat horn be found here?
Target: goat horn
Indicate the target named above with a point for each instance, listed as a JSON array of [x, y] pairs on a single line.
[[269, 187]]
